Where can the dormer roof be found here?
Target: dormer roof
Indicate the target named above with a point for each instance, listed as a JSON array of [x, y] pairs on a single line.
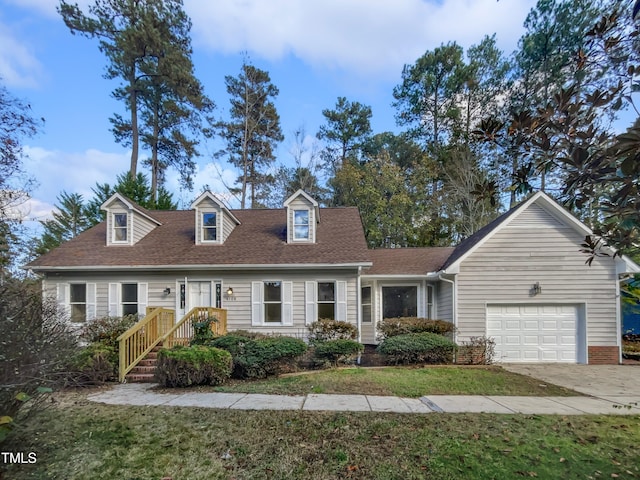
[[208, 195], [131, 205], [308, 198]]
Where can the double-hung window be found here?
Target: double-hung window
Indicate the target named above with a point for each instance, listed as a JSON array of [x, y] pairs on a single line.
[[129, 297], [273, 302], [301, 229], [209, 227], [327, 300], [120, 227], [366, 304], [78, 302]]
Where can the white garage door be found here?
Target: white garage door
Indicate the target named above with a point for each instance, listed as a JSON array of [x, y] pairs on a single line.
[[534, 333]]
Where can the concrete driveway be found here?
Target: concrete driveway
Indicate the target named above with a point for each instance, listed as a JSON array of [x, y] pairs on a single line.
[[616, 383]]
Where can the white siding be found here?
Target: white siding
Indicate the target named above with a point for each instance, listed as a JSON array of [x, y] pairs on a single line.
[[141, 227], [227, 226], [444, 301], [536, 248], [239, 307]]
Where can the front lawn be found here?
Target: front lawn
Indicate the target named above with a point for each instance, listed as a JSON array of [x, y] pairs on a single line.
[[83, 441], [403, 382]]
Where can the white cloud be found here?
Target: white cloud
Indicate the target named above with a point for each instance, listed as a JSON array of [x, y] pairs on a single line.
[[46, 7], [364, 36], [18, 65], [212, 176], [56, 171]]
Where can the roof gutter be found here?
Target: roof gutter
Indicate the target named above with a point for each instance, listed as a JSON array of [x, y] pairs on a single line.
[[247, 266]]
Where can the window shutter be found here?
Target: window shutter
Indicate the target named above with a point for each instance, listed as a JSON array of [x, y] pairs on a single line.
[[287, 303], [91, 301], [115, 309], [310, 299], [143, 293], [63, 296], [257, 312], [341, 301]]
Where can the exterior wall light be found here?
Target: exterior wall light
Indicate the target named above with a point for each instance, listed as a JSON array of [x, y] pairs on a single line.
[[536, 289], [167, 291], [229, 292]]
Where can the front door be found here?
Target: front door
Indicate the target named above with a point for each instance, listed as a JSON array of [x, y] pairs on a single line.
[[198, 294]]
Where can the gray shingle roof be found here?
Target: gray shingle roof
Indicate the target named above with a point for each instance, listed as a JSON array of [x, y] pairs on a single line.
[[258, 240], [407, 261]]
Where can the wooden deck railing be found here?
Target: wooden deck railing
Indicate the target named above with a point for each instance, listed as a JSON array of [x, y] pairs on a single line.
[[182, 332], [139, 340]]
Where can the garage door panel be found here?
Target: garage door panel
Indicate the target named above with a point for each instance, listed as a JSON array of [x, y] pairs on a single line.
[[512, 324], [534, 333], [550, 356], [551, 340]]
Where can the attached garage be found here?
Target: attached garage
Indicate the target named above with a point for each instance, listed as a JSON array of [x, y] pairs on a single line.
[[537, 333]]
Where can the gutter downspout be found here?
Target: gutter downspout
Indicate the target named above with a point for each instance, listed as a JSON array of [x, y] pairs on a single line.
[[454, 301], [618, 322], [359, 310]]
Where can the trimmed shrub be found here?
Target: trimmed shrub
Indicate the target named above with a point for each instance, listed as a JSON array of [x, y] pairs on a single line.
[[202, 331], [196, 365], [325, 329], [418, 348], [337, 351], [392, 327], [477, 351], [106, 330], [95, 364], [261, 357]]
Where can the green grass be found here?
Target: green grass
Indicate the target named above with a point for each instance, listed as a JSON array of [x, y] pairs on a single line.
[[403, 382], [78, 441]]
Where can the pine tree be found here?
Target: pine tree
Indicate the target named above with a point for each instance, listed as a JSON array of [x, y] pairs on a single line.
[[253, 130]]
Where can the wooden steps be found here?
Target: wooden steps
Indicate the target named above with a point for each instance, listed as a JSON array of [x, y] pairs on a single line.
[[144, 371]]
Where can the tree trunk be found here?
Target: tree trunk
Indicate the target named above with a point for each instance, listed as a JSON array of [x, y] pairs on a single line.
[[133, 106]]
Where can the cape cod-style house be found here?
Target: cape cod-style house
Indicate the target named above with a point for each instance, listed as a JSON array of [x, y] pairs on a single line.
[[521, 280]]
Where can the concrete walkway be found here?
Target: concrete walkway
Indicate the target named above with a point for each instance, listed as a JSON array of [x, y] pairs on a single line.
[[143, 394]]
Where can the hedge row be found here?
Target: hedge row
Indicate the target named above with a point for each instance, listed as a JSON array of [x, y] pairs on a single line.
[[194, 365], [392, 327], [260, 357], [413, 348]]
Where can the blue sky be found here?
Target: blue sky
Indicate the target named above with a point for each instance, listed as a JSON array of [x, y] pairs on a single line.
[[314, 50]]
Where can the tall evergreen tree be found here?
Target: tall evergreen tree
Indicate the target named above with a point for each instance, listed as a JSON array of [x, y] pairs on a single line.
[[70, 218], [427, 99], [252, 131], [148, 48], [346, 131]]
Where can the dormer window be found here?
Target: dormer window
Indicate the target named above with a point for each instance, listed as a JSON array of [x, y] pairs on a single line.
[[303, 215], [209, 227], [301, 224], [120, 227]]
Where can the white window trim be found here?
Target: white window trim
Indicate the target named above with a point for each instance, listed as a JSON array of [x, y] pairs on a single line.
[[115, 303], [258, 304], [334, 302], [218, 226], [128, 229], [429, 307], [420, 296], [370, 303], [63, 293], [308, 225], [311, 300]]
